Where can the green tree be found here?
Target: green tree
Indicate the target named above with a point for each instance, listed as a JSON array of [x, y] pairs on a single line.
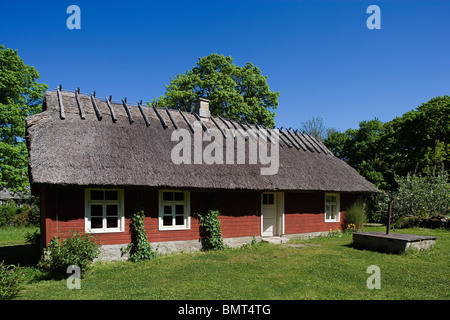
[[419, 140], [240, 93], [20, 96], [363, 149], [422, 195]]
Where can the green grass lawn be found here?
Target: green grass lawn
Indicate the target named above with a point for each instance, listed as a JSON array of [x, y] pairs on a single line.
[[10, 236], [323, 268], [14, 250]]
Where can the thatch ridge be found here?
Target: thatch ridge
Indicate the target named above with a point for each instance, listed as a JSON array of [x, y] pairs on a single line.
[[82, 149]]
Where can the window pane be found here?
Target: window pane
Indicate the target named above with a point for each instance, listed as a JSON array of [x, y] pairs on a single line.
[[96, 210], [168, 210], [167, 220], [168, 196], [179, 220], [96, 223], [111, 222], [97, 195], [179, 209], [112, 210], [331, 212], [268, 198], [179, 196], [111, 195], [331, 199]]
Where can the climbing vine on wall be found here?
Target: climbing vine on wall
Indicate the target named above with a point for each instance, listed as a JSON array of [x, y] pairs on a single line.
[[210, 230], [139, 248]]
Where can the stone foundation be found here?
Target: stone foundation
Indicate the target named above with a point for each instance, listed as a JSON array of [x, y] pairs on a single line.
[[113, 252]]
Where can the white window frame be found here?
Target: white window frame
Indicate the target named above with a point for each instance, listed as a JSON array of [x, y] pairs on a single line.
[[337, 205], [187, 210], [88, 202]]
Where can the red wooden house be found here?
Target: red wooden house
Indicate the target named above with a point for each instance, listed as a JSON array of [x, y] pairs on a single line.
[[94, 163]]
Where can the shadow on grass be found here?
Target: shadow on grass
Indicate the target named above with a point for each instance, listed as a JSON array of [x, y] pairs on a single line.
[[26, 255]]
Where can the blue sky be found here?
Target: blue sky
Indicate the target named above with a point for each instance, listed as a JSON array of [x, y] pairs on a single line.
[[319, 55]]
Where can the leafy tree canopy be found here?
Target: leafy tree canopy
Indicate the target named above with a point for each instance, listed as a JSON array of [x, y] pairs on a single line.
[[20, 96], [235, 92], [418, 141]]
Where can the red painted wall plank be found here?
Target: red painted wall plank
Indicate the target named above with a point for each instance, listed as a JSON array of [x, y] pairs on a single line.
[[63, 211]]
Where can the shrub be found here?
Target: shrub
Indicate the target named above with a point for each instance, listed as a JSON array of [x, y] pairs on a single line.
[[7, 214], [210, 230], [34, 215], [78, 249], [376, 207], [21, 217], [430, 222], [139, 248], [406, 222], [422, 196], [356, 214], [11, 278], [33, 238], [12, 215]]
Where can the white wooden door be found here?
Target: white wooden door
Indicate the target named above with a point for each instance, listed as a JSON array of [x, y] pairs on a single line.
[[269, 214]]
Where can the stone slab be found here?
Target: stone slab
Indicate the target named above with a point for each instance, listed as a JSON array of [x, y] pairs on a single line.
[[392, 242]]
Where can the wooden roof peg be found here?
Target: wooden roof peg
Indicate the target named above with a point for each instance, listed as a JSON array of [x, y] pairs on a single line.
[[305, 142], [296, 141], [289, 139], [311, 142], [127, 109], [271, 132], [264, 134], [171, 119], [96, 109], [113, 114], [164, 124], [229, 129], [205, 128], [240, 132], [217, 125], [80, 106], [62, 113], [147, 123], [187, 121]]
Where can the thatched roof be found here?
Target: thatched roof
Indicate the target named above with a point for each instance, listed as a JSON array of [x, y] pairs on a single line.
[[81, 140]]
